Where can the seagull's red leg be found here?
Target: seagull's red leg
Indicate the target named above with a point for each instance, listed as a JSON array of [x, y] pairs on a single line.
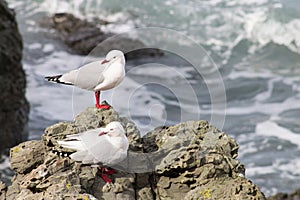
[[105, 178], [100, 106], [97, 96], [105, 172]]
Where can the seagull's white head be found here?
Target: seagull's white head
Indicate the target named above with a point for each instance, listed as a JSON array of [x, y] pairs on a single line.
[[114, 55], [113, 129]]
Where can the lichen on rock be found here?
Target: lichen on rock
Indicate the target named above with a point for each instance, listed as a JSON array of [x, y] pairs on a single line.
[[191, 160]]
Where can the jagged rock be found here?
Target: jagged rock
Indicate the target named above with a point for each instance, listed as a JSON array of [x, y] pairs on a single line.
[[14, 107], [82, 37], [194, 160], [191, 160]]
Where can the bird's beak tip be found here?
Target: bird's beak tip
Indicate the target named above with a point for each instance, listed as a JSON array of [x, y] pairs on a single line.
[[104, 61], [102, 133]]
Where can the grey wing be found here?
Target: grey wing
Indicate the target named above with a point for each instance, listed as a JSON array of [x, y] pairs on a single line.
[[86, 136], [81, 141], [86, 77]]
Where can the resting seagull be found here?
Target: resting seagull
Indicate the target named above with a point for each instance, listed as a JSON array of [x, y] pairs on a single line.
[[96, 76], [107, 146]]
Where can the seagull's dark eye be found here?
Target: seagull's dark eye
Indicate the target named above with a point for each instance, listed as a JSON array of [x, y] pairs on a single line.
[[114, 56], [111, 129]]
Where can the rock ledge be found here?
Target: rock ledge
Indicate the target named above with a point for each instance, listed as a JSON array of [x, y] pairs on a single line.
[[191, 160]]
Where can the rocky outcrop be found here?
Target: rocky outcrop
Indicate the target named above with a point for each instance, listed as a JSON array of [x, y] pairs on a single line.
[[82, 37], [13, 108], [191, 160]]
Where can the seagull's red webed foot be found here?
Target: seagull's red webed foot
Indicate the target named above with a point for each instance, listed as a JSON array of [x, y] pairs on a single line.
[[102, 106]]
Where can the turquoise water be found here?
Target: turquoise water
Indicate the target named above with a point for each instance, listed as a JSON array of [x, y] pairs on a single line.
[[254, 45]]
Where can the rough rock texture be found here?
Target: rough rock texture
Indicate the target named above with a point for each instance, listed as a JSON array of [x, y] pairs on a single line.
[[34, 156], [13, 108], [82, 37], [191, 160], [283, 196]]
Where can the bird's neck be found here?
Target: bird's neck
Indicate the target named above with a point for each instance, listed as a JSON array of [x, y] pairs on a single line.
[[121, 60], [116, 141]]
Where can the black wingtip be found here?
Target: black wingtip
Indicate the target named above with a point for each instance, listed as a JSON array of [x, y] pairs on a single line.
[[56, 79], [63, 154], [53, 78]]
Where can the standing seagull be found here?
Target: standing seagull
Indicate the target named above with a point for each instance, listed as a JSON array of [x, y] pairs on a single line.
[[96, 76], [107, 145]]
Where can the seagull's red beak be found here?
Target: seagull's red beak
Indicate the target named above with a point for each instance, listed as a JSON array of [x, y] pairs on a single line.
[[104, 61], [102, 133]]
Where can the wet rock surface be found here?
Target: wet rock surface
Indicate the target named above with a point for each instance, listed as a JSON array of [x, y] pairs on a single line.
[[14, 107], [82, 37], [191, 160]]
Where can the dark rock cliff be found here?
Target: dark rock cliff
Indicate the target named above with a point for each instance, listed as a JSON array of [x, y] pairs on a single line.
[[14, 107]]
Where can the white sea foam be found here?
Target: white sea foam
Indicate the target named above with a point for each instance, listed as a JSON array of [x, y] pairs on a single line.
[[272, 109], [159, 71], [48, 48], [264, 31], [5, 164], [285, 168], [270, 128], [248, 148], [288, 168], [246, 2], [259, 170], [35, 45]]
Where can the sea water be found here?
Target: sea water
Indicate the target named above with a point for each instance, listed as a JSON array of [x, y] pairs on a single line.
[[253, 45]]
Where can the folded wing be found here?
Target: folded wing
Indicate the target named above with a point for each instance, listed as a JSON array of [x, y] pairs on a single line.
[[86, 77]]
